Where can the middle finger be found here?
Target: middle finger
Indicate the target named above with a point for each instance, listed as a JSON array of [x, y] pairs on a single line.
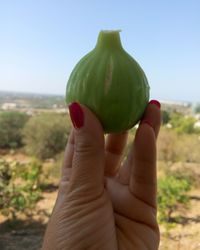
[[114, 148]]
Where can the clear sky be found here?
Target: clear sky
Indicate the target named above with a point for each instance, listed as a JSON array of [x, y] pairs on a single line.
[[41, 41]]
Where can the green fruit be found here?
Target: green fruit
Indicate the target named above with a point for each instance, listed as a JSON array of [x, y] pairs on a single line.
[[110, 83]]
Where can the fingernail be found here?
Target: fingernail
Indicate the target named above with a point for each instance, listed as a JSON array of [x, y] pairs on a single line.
[[155, 102], [147, 121], [76, 114]]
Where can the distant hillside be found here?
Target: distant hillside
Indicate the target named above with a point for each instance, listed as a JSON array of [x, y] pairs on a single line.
[[29, 100]]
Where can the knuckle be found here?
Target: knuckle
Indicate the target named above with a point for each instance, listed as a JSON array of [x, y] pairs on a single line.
[[86, 148]]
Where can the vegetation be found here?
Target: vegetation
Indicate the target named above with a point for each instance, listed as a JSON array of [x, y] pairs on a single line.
[[165, 117], [182, 124], [11, 125], [46, 135], [197, 108], [174, 147], [33, 101], [172, 192], [19, 187]]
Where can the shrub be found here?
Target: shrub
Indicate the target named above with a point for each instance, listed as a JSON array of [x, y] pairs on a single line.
[[172, 191], [167, 149], [165, 117], [187, 148], [11, 125], [183, 124], [19, 187], [174, 147], [46, 135], [197, 108]]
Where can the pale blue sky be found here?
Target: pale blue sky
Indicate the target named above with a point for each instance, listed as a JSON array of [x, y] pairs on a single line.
[[41, 41]]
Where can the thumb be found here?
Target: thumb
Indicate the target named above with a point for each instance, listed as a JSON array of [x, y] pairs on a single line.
[[88, 158]]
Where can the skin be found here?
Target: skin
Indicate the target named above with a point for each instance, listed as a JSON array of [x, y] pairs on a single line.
[[104, 203]]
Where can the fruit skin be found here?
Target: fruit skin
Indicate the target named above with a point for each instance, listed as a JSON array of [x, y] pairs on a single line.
[[111, 83]]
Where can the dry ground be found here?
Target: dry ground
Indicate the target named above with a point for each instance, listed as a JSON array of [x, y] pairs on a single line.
[[23, 235], [28, 235]]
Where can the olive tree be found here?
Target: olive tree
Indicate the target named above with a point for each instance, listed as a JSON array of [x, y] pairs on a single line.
[[45, 135], [11, 125]]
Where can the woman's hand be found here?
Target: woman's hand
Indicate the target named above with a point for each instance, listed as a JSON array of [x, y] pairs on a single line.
[[104, 203]]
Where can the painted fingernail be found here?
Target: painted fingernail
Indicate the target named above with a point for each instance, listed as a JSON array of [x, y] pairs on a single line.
[[146, 121], [155, 102], [76, 115]]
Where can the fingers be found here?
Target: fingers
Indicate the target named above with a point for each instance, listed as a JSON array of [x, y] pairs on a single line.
[[143, 157], [88, 157], [143, 165], [153, 115], [115, 144]]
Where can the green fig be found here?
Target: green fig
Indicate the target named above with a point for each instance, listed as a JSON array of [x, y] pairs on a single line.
[[110, 83]]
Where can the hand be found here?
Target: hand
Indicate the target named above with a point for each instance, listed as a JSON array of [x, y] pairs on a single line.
[[104, 203]]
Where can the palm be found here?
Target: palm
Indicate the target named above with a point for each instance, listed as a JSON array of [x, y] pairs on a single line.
[[118, 218], [136, 227], [103, 204]]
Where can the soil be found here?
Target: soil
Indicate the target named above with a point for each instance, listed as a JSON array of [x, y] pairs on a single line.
[[28, 235], [186, 234], [24, 234]]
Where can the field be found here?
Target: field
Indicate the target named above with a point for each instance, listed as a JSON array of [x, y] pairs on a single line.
[[34, 171], [28, 233]]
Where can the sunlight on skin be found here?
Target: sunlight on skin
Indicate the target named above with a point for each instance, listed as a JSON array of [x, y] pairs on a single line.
[[102, 204]]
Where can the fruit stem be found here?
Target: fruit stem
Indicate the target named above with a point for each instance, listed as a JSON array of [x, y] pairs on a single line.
[[109, 39]]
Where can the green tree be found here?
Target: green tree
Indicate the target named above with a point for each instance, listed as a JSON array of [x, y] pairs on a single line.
[[183, 124], [176, 119], [46, 135], [187, 125], [197, 108], [165, 117], [172, 191], [11, 125]]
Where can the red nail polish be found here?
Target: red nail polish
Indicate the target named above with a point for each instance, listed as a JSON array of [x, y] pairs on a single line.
[[155, 102], [76, 114], [147, 121]]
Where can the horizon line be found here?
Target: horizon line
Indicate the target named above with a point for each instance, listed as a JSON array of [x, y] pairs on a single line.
[[63, 95]]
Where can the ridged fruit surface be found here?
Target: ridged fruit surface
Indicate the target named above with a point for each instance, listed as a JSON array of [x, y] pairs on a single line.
[[111, 83]]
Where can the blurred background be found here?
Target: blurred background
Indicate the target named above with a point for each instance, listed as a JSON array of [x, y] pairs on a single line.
[[41, 42]]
